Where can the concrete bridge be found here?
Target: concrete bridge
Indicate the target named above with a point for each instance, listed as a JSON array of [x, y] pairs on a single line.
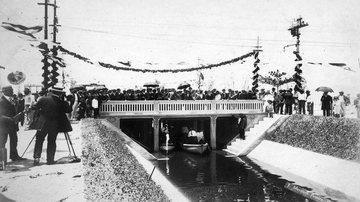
[[115, 111]]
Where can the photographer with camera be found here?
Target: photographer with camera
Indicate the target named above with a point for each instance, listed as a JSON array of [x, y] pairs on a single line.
[[52, 120]]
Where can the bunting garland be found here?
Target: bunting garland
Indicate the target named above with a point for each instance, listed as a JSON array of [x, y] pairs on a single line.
[[145, 70], [21, 29], [75, 55]]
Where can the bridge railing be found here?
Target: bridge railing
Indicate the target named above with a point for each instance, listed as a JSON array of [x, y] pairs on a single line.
[[181, 107]]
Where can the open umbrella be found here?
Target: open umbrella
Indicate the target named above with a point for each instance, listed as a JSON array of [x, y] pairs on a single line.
[[324, 89], [77, 88], [184, 85], [16, 78], [151, 84]]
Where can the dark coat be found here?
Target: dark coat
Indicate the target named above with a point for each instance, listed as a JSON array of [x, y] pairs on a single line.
[[326, 102], [7, 112], [52, 108], [7, 108], [288, 98]]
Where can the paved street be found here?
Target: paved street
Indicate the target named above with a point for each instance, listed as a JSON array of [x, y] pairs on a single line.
[[21, 181]]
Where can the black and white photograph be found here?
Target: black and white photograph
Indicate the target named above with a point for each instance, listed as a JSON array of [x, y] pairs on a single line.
[[198, 101]]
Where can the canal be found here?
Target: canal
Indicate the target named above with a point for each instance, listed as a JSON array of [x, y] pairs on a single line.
[[217, 177]]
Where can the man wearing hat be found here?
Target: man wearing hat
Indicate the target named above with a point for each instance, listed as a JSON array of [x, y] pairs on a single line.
[[8, 126], [53, 119]]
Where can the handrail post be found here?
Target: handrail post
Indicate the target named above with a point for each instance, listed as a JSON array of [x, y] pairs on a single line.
[[156, 107]]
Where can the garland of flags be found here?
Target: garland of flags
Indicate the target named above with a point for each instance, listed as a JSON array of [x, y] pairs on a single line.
[[144, 70]]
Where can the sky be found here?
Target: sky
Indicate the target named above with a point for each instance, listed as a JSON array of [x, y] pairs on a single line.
[[184, 34]]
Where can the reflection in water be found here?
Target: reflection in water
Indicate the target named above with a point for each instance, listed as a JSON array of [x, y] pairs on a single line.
[[214, 177]]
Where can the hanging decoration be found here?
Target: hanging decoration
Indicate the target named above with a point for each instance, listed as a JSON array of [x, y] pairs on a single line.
[[54, 72], [46, 73], [336, 64], [274, 81], [295, 32], [297, 76], [125, 63], [110, 66], [75, 55], [255, 77], [21, 29]]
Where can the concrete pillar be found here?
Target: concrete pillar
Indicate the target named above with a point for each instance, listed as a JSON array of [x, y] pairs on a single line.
[[213, 132], [156, 133], [195, 125]]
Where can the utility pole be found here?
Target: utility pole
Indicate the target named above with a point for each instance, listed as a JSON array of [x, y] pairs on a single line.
[[54, 71], [46, 18], [55, 21], [46, 50], [295, 32]]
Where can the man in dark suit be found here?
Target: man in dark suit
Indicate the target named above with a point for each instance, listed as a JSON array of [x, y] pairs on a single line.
[[326, 104], [52, 109], [242, 124], [8, 126]]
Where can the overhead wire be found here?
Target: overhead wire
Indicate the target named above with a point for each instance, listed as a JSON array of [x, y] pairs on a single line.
[[233, 43]]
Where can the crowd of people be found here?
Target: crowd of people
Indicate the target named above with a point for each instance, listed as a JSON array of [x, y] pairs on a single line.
[[86, 103], [54, 108]]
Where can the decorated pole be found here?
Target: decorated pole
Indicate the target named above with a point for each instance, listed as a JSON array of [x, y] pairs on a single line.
[[295, 32], [49, 77], [255, 77], [54, 72], [44, 49]]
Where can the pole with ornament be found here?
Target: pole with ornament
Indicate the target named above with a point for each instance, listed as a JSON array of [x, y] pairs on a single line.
[[255, 77], [50, 77], [295, 32]]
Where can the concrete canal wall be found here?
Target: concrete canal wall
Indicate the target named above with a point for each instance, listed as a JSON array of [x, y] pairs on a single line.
[[118, 169], [330, 173]]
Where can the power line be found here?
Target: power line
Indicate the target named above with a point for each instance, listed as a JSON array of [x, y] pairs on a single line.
[[266, 41]]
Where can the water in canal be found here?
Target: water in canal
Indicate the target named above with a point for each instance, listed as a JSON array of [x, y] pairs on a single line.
[[215, 177]]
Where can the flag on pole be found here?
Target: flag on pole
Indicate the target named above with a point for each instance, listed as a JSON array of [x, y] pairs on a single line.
[[201, 76], [342, 65], [29, 31]]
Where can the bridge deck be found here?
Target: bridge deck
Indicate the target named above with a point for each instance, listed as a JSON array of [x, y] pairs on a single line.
[[180, 107]]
